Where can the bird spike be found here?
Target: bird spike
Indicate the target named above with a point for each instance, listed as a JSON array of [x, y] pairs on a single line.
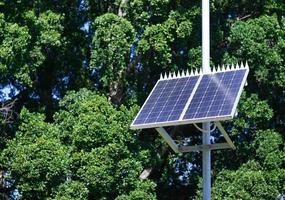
[[192, 72], [196, 71], [179, 74], [183, 73], [219, 68], [228, 67], [161, 77], [237, 66], [214, 69], [223, 68], [187, 73], [232, 66], [165, 75]]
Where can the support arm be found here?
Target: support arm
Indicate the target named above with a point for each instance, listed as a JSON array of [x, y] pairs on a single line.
[[168, 139], [226, 136]]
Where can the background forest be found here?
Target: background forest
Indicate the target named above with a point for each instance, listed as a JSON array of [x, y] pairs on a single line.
[[73, 75]]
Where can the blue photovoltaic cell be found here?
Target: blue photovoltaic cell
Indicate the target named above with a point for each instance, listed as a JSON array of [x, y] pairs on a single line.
[[167, 100], [215, 95]]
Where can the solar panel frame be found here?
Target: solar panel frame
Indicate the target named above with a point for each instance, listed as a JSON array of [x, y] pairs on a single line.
[[182, 121]]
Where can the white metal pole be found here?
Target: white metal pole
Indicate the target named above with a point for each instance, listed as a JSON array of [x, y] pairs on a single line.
[[206, 162], [206, 35]]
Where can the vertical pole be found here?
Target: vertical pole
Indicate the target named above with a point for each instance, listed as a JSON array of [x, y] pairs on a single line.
[[206, 162], [206, 35]]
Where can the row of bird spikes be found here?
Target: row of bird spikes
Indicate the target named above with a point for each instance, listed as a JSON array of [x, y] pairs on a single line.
[[196, 72]]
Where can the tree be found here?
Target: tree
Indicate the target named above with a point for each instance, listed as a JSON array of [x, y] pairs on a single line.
[[88, 151], [35, 158], [38, 51], [112, 42], [260, 179]]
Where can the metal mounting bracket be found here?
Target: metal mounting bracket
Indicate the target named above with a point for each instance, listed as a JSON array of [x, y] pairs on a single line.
[[168, 139], [226, 136], [195, 148], [183, 149]]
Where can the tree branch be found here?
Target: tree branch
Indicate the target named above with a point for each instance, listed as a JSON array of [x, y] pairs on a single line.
[[7, 112], [121, 11]]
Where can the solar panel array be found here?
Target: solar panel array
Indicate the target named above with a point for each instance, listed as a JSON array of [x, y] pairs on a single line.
[[192, 98]]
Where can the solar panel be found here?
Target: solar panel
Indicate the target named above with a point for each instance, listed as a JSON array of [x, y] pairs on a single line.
[[216, 95], [167, 100], [192, 98]]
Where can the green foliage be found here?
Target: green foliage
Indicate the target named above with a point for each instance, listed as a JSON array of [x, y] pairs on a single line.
[[158, 41], [71, 190], [157, 38], [88, 151], [252, 113], [249, 182], [269, 149], [111, 47], [108, 170], [255, 109], [105, 153], [144, 191], [47, 25], [36, 159], [90, 121], [260, 41], [195, 58], [14, 39], [23, 46], [259, 179]]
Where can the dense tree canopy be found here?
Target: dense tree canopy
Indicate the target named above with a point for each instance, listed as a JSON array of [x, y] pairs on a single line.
[[73, 75]]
